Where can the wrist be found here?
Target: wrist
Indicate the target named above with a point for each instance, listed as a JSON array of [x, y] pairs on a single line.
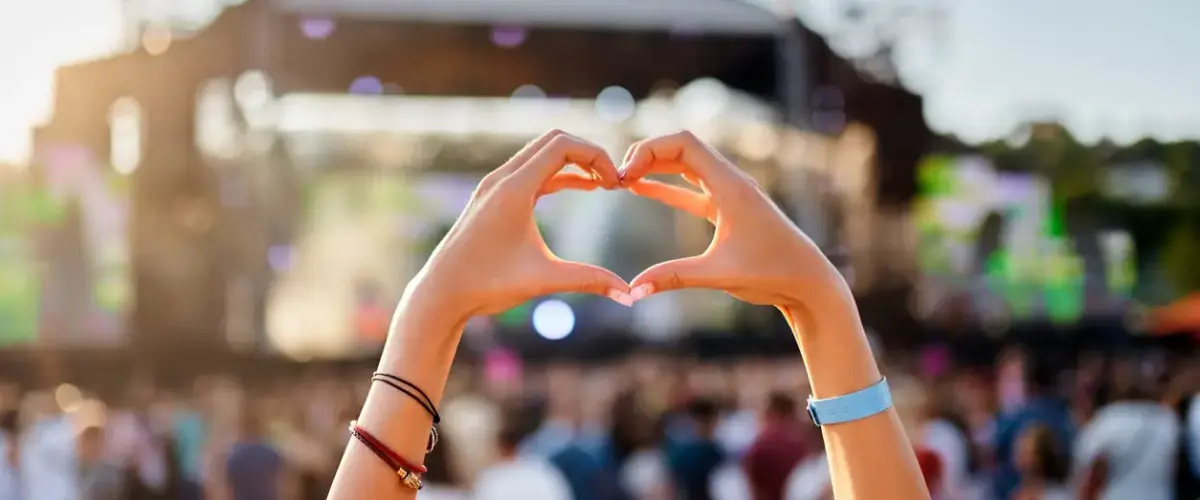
[[836, 353], [423, 340]]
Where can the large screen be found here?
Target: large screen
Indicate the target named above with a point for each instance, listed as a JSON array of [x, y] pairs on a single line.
[[64, 252], [1000, 238]]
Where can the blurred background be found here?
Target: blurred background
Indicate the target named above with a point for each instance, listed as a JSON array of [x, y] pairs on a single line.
[[208, 209]]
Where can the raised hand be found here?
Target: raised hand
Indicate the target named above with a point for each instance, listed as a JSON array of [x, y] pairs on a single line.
[[494, 258], [756, 255]]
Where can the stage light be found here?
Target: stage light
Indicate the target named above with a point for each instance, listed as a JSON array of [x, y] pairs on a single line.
[[553, 319]]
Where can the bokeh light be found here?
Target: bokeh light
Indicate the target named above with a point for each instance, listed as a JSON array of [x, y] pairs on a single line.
[[366, 85], [125, 126], [509, 36], [68, 397], [529, 91], [317, 28], [553, 319], [156, 40], [615, 104]]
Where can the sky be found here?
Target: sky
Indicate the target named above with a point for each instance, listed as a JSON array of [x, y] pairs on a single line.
[[1121, 69]]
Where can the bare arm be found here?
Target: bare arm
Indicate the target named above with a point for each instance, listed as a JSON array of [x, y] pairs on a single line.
[[759, 256], [399, 421], [868, 458], [492, 259]]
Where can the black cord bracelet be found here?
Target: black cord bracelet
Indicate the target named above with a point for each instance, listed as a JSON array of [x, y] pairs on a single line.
[[424, 400]]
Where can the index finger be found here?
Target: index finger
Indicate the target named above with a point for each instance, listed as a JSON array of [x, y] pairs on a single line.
[[561, 151], [679, 153]]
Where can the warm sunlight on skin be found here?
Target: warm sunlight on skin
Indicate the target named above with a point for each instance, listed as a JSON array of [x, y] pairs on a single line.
[[35, 38]]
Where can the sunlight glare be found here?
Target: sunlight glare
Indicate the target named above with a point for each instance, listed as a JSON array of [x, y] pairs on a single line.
[[35, 38]]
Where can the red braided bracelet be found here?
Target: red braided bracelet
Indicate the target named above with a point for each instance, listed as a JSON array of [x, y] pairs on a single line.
[[409, 472]]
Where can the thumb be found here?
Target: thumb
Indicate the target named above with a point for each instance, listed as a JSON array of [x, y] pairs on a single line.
[[574, 277], [688, 272]]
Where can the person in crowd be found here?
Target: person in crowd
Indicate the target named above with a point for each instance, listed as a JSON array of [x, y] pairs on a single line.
[[1039, 404], [517, 475], [781, 445], [933, 472], [48, 465], [302, 450], [470, 422], [189, 432], [692, 460], [564, 424], [1129, 448], [10, 453], [254, 468], [944, 433], [178, 486], [628, 454], [134, 443], [1187, 407], [810, 480], [1041, 465], [740, 425], [99, 478], [644, 473]]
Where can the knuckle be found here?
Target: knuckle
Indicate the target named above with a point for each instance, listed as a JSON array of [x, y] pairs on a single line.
[[686, 137], [674, 281], [488, 183], [561, 142]]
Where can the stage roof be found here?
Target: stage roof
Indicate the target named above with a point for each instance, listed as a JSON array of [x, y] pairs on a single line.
[[729, 17]]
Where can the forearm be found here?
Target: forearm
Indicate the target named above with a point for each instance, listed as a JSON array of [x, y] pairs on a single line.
[[871, 457], [420, 349]]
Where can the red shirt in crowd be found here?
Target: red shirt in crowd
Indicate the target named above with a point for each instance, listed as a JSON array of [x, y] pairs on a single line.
[[775, 453]]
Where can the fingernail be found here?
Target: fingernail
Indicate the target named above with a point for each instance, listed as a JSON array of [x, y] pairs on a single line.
[[621, 297], [641, 291]]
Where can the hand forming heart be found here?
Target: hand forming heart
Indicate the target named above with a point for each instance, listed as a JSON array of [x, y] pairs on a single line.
[[757, 254], [494, 257]]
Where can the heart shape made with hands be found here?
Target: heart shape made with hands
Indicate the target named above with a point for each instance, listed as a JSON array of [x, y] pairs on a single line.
[[495, 258]]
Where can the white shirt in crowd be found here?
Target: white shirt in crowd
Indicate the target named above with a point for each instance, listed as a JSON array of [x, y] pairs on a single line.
[[1139, 440], [439, 492], [737, 432], [644, 474], [9, 485], [523, 478], [130, 441], [48, 461], [810, 480], [944, 439], [729, 482], [1193, 430]]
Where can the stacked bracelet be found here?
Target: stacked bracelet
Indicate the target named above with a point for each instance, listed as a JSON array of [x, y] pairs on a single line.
[[409, 473], [411, 390]]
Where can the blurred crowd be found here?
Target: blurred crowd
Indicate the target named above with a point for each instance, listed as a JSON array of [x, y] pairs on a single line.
[[1030, 426]]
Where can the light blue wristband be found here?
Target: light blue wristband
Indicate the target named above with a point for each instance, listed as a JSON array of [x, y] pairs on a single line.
[[850, 407]]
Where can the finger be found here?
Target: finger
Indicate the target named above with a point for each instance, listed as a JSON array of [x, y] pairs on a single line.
[[570, 180], [564, 150], [574, 277], [526, 153], [675, 197], [693, 180], [682, 153], [688, 272]]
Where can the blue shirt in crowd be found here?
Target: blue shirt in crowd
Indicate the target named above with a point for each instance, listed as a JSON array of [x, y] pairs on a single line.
[[1052, 412], [253, 470]]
